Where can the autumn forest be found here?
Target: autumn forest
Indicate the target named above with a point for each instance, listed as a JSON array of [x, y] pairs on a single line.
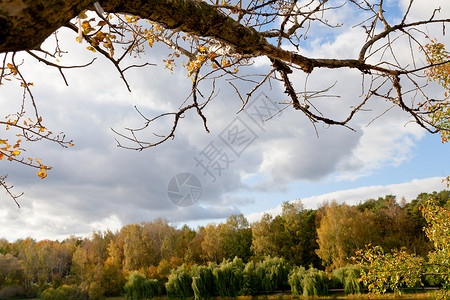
[[274, 253]]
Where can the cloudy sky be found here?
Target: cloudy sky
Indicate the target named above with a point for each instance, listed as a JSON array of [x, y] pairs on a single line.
[[96, 185]]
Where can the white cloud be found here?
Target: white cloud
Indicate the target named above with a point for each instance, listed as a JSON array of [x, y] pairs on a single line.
[[389, 143], [408, 190]]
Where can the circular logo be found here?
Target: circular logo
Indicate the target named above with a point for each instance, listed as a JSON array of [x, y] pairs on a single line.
[[184, 189]]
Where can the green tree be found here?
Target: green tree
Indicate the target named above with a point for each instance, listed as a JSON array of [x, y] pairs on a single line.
[[291, 235], [299, 234], [397, 224], [236, 237]]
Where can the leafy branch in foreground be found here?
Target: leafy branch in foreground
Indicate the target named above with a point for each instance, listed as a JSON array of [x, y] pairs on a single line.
[[393, 271], [20, 129], [439, 111], [26, 130]]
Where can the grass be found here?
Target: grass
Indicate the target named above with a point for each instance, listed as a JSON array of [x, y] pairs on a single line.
[[281, 296]]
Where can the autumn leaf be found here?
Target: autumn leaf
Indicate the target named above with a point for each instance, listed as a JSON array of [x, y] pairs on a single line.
[[42, 174], [83, 15]]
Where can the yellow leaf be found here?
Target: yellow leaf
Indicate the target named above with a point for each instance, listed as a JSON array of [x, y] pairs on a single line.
[[17, 152], [42, 174], [82, 15], [3, 141], [2, 155], [91, 48]]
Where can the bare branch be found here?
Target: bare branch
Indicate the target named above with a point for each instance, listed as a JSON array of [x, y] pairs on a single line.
[[8, 190]]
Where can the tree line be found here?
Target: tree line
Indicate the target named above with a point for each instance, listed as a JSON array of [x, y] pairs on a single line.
[[160, 258]]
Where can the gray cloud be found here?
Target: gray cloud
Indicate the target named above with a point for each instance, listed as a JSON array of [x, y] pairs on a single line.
[[96, 185]]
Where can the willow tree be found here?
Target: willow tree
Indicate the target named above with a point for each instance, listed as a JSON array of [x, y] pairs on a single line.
[[214, 40]]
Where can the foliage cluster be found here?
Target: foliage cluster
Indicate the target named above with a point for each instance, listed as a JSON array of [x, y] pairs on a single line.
[[140, 287], [439, 111], [232, 278], [64, 292]]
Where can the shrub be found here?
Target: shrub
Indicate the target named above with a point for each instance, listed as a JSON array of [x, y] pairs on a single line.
[[11, 292], [432, 281], [202, 282], [179, 283], [64, 292], [32, 291], [273, 273], [347, 278], [228, 277], [251, 284], [311, 282], [315, 283], [296, 280], [138, 287]]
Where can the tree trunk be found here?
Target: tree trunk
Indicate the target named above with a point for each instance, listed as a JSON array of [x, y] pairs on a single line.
[[25, 24]]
